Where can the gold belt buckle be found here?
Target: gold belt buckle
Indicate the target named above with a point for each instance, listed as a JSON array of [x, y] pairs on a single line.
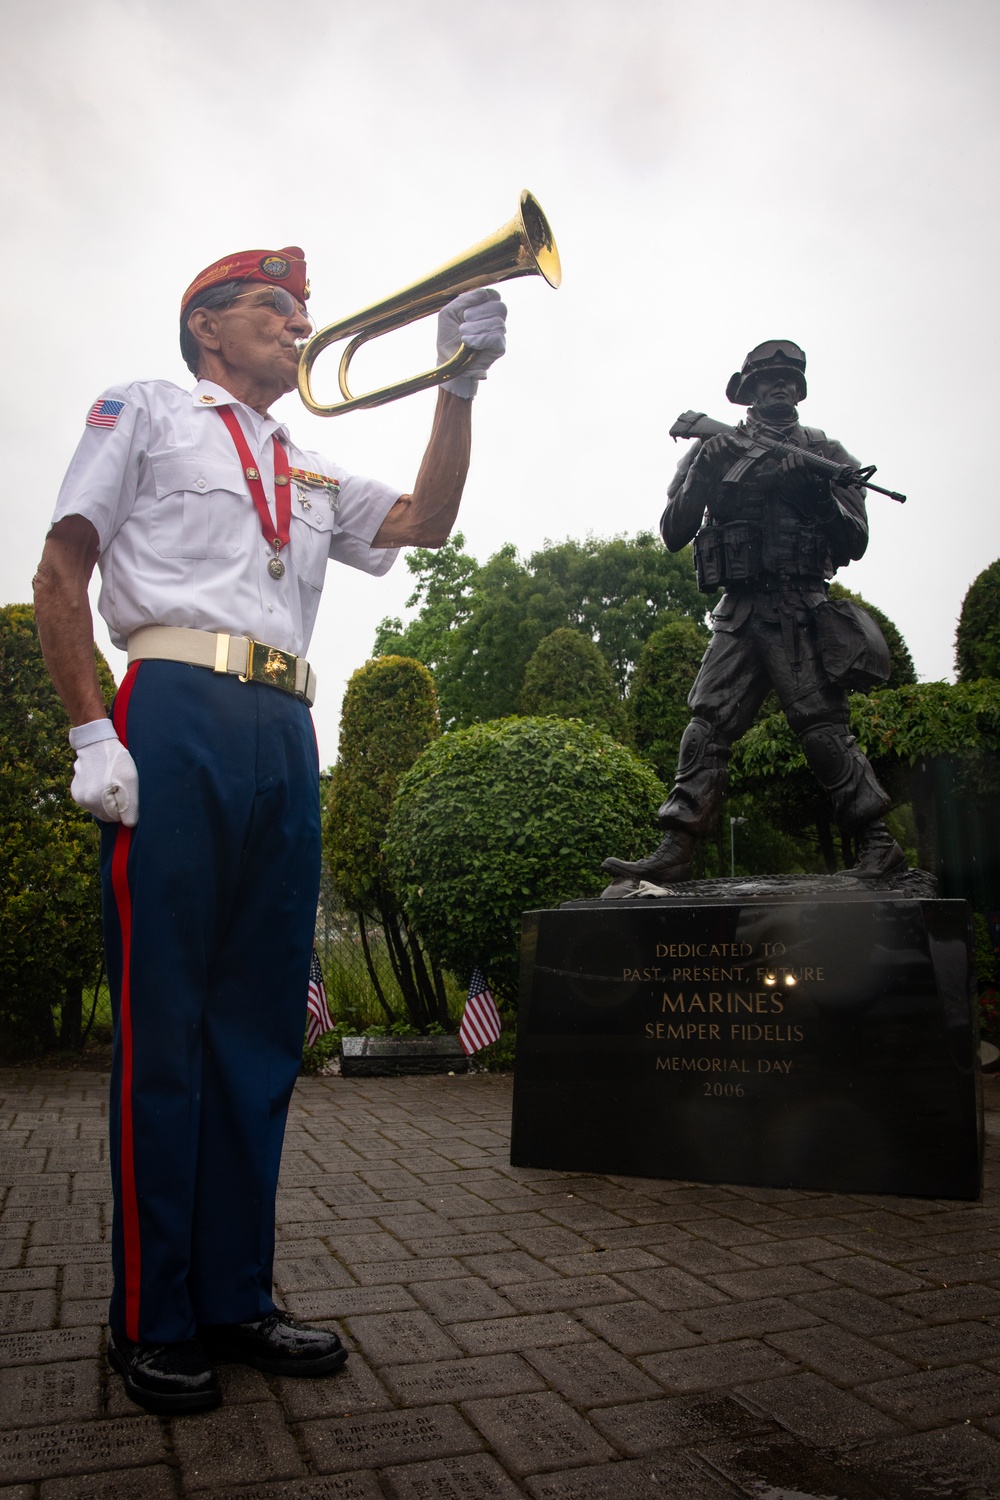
[[268, 664]]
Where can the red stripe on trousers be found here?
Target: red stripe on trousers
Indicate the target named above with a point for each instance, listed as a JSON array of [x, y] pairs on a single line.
[[123, 902]]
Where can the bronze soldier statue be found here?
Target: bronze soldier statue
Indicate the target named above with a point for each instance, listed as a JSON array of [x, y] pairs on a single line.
[[771, 531]]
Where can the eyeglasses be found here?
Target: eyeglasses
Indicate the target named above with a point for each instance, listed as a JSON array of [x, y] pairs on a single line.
[[278, 297]]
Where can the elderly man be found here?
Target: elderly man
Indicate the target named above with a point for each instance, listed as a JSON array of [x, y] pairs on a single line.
[[212, 532], [771, 532]]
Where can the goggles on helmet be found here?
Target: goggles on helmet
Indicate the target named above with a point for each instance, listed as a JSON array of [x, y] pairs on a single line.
[[776, 351]]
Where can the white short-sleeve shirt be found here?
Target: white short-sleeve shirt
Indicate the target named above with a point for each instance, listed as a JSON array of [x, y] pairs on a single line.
[[158, 475]]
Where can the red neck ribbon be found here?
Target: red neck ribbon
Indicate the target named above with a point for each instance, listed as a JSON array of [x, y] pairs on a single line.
[[282, 488]]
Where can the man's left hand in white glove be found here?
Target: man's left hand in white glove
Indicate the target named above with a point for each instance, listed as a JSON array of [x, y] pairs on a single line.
[[105, 778], [476, 319]]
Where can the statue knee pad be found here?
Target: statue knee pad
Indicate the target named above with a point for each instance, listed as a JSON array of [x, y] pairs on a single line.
[[845, 774], [702, 774], [701, 749], [828, 750]]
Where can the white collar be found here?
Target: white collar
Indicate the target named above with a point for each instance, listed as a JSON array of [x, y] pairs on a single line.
[[207, 394]]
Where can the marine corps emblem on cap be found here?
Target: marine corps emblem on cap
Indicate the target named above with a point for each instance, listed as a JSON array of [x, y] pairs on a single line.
[[274, 265], [286, 265]]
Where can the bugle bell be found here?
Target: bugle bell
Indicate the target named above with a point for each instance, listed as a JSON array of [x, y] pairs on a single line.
[[522, 247]]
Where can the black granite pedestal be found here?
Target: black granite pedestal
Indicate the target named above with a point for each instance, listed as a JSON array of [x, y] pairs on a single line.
[[818, 1039]]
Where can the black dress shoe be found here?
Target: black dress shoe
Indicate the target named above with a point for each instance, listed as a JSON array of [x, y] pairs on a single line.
[[165, 1378], [277, 1344]]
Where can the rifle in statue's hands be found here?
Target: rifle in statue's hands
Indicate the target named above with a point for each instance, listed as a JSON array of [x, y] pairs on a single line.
[[755, 445]]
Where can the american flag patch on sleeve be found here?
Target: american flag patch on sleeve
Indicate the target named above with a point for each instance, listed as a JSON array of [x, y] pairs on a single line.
[[105, 412]]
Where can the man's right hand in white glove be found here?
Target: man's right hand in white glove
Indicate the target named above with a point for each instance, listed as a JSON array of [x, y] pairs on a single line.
[[105, 778], [478, 320]]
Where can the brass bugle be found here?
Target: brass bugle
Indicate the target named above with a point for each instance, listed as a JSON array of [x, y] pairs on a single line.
[[522, 247]]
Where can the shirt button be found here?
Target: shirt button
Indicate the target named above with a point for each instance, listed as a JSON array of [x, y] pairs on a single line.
[[199, 484], [270, 609]]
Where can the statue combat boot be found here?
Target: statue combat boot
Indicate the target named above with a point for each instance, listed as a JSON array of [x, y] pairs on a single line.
[[667, 865], [877, 852]]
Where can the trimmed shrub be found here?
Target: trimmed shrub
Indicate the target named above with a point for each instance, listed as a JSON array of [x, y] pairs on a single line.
[[568, 677], [506, 817]]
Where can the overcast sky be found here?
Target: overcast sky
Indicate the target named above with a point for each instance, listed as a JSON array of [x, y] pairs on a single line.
[[716, 173]]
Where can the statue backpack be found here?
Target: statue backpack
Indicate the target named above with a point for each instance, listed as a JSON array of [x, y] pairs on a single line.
[[851, 646]]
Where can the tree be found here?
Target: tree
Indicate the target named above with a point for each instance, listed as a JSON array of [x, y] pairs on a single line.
[[478, 626], [504, 817], [389, 717], [933, 745], [569, 678], [657, 700], [50, 937], [977, 640]]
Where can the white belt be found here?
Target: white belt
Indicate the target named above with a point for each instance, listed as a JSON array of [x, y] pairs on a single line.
[[251, 661]]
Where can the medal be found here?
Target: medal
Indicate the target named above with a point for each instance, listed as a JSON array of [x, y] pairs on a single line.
[[282, 491]]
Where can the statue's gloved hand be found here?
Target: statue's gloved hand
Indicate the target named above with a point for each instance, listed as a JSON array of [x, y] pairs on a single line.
[[715, 456], [476, 319], [105, 778], [802, 487]]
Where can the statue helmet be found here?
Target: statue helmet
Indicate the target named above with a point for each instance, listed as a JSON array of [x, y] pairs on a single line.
[[775, 354]]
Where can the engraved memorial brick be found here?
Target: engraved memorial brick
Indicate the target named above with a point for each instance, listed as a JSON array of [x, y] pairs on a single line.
[[592, 1375], [817, 1411], [947, 1343], [460, 1300], [533, 1331], [958, 1460], [354, 1388], [671, 1289], [565, 1292], [451, 1380], [54, 1344], [327, 1487], [535, 1432], [351, 1300], [36, 1394], [839, 1355], [638, 1328], [712, 1365], [474, 1476], [409, 1272], [247, 1442], [90, 1280], [665, 1476], [79, 1448], [928, 1397], [402, 1337], [749, 1319], [645, 1426], [154, 1483], [381, 1439], [21, 1311]]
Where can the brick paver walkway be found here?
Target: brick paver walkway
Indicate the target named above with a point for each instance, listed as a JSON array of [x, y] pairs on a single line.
[[515, 1332]]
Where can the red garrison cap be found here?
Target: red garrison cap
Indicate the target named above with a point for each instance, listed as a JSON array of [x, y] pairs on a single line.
[[282, 267]]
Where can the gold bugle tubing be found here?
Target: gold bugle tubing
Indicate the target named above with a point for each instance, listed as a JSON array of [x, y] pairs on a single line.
[[524, 246]]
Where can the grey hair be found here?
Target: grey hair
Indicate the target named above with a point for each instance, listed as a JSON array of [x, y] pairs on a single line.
[[213, 296]]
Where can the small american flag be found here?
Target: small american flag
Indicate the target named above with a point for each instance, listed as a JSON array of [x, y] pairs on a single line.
[[480, 1019], [105, 412], [318, 1018]]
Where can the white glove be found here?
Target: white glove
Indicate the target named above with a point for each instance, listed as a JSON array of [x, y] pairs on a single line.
[[105, 778], [478, 320]]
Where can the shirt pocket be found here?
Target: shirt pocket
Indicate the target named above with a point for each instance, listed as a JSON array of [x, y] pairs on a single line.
[[198, 510], [312, 530]]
